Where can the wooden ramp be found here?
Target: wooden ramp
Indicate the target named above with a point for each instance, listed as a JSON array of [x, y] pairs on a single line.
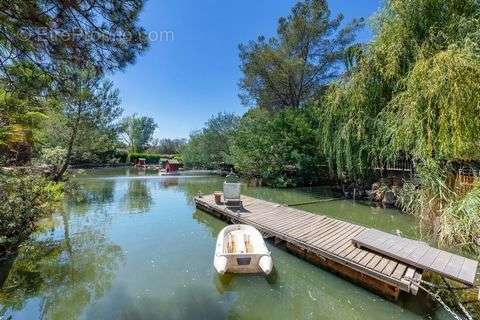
[[322, 240], [419, 254]]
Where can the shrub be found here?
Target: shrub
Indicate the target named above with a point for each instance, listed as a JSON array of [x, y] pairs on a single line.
[[53, 156], [122, 156], [209, 148], [150, 158], [279, 149], [452, 217], [24, 198]]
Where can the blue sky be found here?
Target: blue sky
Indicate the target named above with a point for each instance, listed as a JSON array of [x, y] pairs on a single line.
[[182, 82]]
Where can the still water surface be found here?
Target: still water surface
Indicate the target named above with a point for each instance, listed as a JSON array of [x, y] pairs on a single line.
[[136, 248]]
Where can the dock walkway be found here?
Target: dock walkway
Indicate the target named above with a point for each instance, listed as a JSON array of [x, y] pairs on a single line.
[[419, 254], [378, 260], [322, 240]]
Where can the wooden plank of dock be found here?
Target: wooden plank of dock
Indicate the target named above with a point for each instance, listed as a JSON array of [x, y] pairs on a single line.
[[321, 236], [419, 254]]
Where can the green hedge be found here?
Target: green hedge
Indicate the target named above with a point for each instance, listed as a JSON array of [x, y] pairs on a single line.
[[122, 156], [150, 158]]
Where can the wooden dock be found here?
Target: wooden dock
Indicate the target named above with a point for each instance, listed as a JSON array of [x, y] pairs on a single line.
[[419, 254], [323, 241]]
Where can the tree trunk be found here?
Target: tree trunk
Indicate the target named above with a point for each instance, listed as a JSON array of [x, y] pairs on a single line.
[[58, 176]]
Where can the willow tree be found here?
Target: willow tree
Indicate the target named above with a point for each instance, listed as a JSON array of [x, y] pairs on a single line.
[[434, 117], [415, 91], [287, 70], [437, 113], [348, 119]]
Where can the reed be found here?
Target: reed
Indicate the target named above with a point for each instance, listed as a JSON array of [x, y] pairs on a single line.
[[447, 212]]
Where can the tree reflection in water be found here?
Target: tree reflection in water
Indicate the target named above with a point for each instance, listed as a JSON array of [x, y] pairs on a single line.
[[194, 302], [168, 182], [137, 198], [202, 185], [67, 270], [90, 194]]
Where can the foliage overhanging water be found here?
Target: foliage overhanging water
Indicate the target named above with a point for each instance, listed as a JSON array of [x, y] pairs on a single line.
[[138, 249]]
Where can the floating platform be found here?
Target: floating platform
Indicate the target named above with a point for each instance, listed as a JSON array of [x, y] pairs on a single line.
[[323, 241], [419, 254]]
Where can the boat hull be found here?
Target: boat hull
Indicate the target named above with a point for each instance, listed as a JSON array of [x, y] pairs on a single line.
[[241, 249]]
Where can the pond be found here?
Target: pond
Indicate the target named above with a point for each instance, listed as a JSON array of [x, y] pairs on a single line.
[[136, 248]]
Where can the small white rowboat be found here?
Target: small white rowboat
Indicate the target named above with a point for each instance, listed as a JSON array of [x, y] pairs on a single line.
[[241, 249]]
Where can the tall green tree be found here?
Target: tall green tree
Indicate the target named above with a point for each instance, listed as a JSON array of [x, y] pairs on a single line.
[[279, 150], [434, 114], [25, 99], [37, 39], [138, 131], [413, 90], [210, 147], [51, 33], [88, 102], [296, 65], [167, 146]]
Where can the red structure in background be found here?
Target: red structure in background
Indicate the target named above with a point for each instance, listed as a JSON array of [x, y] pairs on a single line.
[[172, 165]]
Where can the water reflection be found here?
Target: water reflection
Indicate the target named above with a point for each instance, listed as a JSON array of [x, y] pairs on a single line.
[[201, 185], [98, 191], [67, 274], [137, 198], [194, 302], [93, 261], [210, 222], [168, 182]]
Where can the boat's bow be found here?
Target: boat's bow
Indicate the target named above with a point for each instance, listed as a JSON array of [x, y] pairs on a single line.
[[220, 264], [266, 264]]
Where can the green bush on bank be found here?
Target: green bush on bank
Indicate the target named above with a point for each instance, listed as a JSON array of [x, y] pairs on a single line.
[[24, 198], [150, 158], [279, 149], [208, 148], [446, 211]]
